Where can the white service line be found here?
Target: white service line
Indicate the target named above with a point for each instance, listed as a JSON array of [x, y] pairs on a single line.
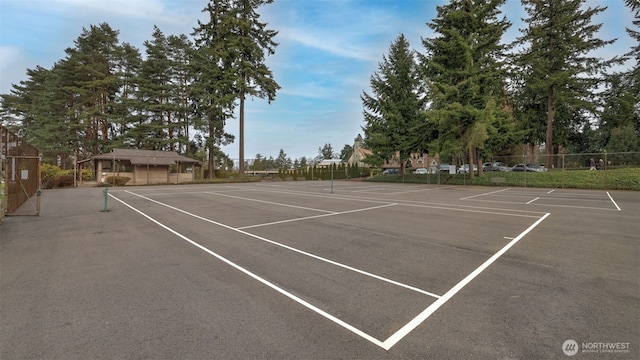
[[409, 191], [533, 200], [452, 207], [550, 191], [547, 205], [506, 213], [314, 216], [270, 202], [484, 194], [415, 322], [260, 279], [614, 203], [362, 272]]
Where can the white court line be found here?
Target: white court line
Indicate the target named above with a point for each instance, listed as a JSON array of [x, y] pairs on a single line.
[[365, 189], [550, 191], [484, 211], [484, 194], [314, 217], [260, 279], [415, 322], [393, 339], [362, 272], [409, 191], [548, 205], [533, 200], [452, 207], [270, 202], [614, 203]]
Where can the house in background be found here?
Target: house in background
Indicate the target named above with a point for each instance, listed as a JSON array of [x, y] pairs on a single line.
[[416, 160], [145, 166], [359, 153]]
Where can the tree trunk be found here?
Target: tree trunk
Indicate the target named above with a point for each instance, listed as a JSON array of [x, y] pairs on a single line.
[[212, 173], [241, 142], [549, 142], [530, 153], [472, 154]]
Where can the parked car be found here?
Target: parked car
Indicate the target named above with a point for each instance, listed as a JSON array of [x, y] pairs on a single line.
[[390, 171], [421, 171], [464, 169], [444, 167], [528, 168], [500, 166], [495, 166], [538, 168]]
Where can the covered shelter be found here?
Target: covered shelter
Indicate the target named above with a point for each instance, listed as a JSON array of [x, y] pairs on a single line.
[[145, 166]]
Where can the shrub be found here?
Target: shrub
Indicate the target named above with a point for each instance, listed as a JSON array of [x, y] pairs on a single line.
[[87, 175], [116, 180], [58, 181], [47, 172]]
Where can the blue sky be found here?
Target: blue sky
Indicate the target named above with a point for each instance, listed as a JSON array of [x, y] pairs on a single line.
[[328, 51]]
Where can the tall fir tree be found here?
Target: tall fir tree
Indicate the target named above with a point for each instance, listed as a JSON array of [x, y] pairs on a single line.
[[619, 125], [393, 114], [156, 90], [250, 43], [95, 82], [128, 107], [465, 73], [213, 90], [558, 68], [181, 56]]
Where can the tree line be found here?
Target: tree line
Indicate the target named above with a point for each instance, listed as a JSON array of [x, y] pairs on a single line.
[[261, 162], [104, 94], [467, 95], [470, 95]]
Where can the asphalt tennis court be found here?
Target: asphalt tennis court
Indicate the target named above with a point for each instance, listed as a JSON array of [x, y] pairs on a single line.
[[315, 270]]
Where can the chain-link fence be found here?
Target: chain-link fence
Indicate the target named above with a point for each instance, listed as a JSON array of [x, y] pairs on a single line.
[[601, 161], [20, 174]]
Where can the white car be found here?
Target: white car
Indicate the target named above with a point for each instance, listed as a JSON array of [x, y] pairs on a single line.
[[464, 169], [421, 171]]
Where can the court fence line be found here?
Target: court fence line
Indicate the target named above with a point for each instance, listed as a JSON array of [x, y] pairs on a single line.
[[20, 174]]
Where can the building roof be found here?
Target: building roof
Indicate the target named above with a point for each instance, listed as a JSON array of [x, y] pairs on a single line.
[[329, 162], [144, 157]]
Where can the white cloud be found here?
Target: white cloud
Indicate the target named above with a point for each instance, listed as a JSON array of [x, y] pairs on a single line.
[[141, 9], [327, 41]]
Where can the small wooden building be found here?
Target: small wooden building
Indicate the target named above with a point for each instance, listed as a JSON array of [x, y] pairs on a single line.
[[145, 166]]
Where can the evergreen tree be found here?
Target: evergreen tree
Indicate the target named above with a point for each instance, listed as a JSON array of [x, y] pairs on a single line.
[[250, 41], [464, 71], [40, 106], [95, 83], [213, 91], [325, 152], [346, 152], [282, 161], [393, 114], [619, 125], [128, 107], [556, 67], [181, 56], [156, 90], [304, 163]]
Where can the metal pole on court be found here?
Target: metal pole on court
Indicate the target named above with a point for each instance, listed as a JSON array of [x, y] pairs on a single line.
[[332, 163], [106, 196]]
